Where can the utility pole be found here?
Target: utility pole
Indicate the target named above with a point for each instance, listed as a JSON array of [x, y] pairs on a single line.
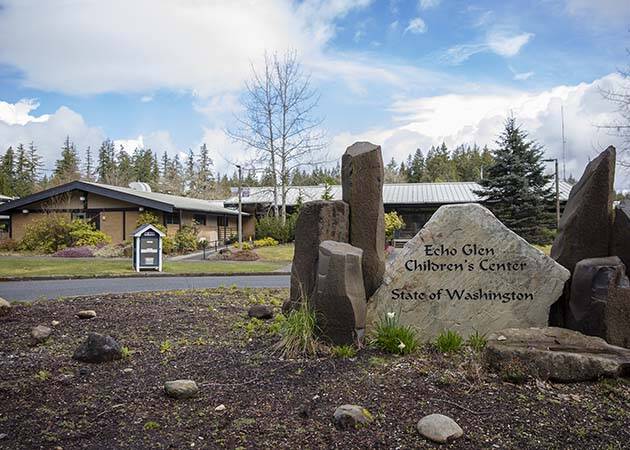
[[240, 207], [555, 160], [564, 147]]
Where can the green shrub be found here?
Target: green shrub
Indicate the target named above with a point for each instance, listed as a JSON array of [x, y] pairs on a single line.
[[393, 222], [343, 351], [186, 239], [477, 341], [245, 246], [273, 227], [54, 232], [298, 334], [392, 337], [84, 234], [449, 341], [266, 242]]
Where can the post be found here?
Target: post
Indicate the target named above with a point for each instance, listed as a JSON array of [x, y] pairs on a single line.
[[557, 197], [240, 207]]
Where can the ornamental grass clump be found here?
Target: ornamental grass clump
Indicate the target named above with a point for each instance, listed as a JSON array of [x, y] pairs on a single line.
[[449, 342], [298, 334], [392, 337]]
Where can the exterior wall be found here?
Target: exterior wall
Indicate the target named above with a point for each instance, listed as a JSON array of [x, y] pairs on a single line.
[[20, 221], [131, 218], [112, 225], [70, 200], [249, 227], [98, 201]]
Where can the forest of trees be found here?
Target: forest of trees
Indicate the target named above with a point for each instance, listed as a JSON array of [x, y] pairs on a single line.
[[22, 171]]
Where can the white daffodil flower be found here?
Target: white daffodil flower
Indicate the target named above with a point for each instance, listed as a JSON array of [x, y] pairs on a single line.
[[401, 345], [390, 315]]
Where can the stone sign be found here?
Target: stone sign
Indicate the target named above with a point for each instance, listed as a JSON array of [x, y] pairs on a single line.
[[465, 271]]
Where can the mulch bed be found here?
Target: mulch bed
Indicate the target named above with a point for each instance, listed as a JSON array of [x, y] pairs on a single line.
[[48, 400]]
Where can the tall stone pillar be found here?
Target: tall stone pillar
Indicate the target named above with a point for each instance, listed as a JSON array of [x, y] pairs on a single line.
[[362, 183]]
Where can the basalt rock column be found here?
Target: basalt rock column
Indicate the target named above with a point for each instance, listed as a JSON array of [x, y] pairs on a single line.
[[339, 300], [362, 183], [586, 223], [318, 221]]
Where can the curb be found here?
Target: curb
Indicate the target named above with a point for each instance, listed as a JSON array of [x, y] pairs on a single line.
[[143, 275]]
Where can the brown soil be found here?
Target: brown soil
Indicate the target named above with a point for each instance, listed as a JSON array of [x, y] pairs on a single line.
[[48, 400]]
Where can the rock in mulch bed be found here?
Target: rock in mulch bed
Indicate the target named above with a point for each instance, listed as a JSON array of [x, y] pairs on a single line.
[[40, 333], [181, 389], [439, 428], [351, 416], [86, 314], [555, 354], [97, 349], [5, 307], [262, 312]]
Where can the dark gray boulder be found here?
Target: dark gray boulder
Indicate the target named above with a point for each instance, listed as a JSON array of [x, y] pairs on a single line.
[[262, 312], [586, 223], [555, 354], [617, 317], [339, 301], [620, 241], [590, 286], [362, 183], [97, 349], [318, 221]]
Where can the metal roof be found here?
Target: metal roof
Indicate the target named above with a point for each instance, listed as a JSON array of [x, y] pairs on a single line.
[[155, 200], [393, 193]]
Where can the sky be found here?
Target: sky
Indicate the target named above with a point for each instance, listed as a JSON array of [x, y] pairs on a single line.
[[169, 74]]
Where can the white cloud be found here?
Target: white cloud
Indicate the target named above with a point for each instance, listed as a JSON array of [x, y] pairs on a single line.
[[416, 26], [457, 119], [427, 4], [18, 113], [48, 131], [521, 76], [146, 98], [501, 43], [129, 145], [205, 47]]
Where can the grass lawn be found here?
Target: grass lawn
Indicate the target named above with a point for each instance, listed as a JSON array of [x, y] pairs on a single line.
[[26, 266], [282, 252]]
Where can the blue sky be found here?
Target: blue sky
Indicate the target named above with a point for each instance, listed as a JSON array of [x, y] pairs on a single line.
[[404, 74]]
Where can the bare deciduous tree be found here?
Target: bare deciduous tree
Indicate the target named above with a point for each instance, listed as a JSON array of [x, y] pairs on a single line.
[[279, 122], [620, 97]]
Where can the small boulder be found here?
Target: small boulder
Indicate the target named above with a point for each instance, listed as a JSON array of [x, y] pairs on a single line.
[[97, 349], [555, 354], [439, 428], [87, 314], [40, 333], [5, 307], [181, 389], [55, 323], [262, 312], [351, 416]]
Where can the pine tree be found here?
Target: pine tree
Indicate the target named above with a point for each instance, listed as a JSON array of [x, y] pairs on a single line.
[[89, 165], [106, 164], [202, 176], [34, 164], [125, 169], [416, 169], [7, 182], [67, 167], [516, 187]]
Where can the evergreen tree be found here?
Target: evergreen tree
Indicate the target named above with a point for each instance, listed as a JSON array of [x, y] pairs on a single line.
[[415, 172], [438, 166], [89, 164], [7, 182], [67, 167], [125, 169], [34, 164], [516, 188], [106, 164], [202, 180]]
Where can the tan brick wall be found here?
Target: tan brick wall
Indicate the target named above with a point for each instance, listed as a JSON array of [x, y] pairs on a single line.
[[112, 225], [20, 221]]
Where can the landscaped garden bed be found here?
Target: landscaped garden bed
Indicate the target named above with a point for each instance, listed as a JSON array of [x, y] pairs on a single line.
[[250, 397]]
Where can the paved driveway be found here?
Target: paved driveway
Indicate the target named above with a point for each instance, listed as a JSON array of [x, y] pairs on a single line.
[[47, 289]]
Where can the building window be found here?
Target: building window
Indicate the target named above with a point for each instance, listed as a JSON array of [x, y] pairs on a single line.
[[199, 219], [222, 221], [171, 218], [91, 217]]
